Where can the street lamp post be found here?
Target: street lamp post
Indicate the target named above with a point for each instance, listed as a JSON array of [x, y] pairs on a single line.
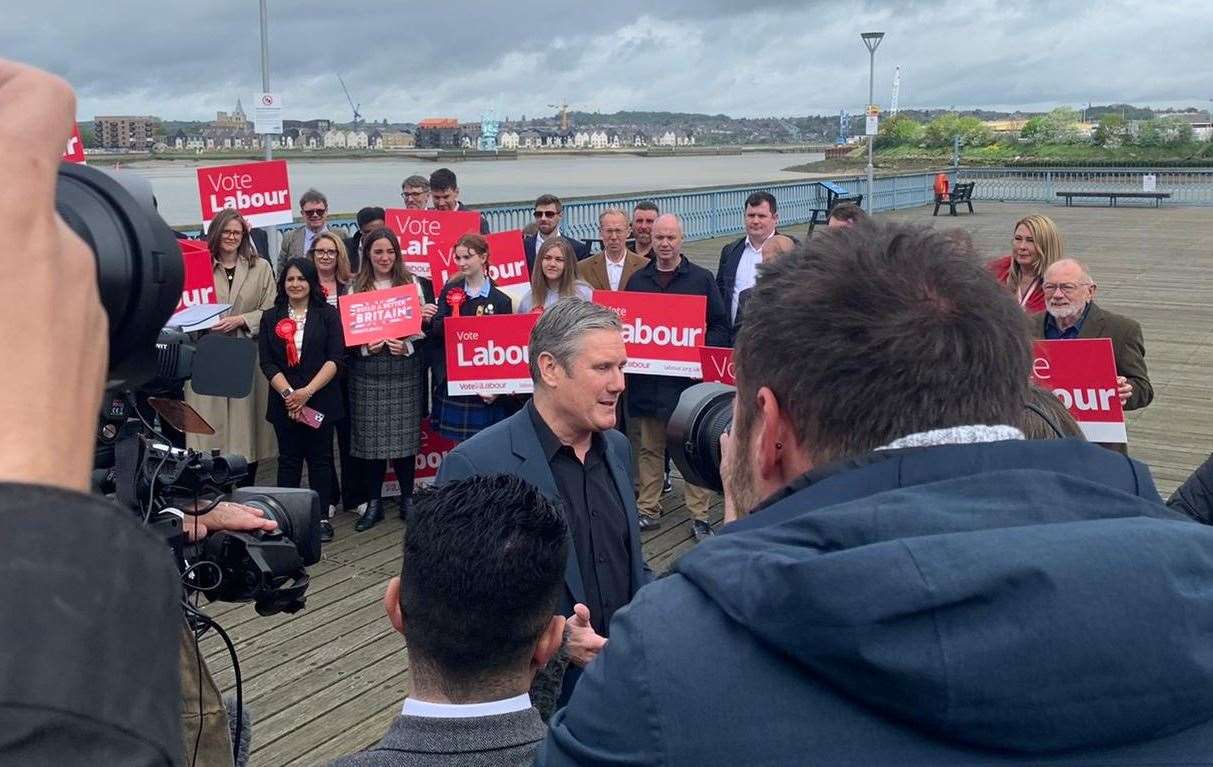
[[265, 70], [871, 40]]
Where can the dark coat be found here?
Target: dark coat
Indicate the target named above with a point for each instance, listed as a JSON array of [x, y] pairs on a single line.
[[726, 270], [1005, 603], [484, 222], [512, 447], [496, 303], [1127, 345], [353, 250], [656, 396], [581, 249], [323, 341]]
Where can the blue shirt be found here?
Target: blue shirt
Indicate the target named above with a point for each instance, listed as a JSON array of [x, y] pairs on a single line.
[[1053, 333]]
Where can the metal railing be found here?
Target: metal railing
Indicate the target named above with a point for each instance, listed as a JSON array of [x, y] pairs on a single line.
[[705, 212], [1187, 186]]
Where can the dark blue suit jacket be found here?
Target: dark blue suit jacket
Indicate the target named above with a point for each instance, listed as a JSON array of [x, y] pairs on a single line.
[[512, 447], [582, 249]]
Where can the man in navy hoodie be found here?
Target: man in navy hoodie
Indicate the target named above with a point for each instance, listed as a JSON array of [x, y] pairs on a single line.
[[910, 582]]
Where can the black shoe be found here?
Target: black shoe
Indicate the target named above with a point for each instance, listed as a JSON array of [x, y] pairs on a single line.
[[668, 487], [647, 523], [326, 531], [371, 517], [701, 529], [406, 507]]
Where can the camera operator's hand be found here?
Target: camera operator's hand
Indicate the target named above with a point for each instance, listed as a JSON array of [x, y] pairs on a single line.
[[227, 516], [584, 643], [50, 312]]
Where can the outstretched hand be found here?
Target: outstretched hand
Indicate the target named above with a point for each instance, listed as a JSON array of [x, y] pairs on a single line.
[[584, 643]]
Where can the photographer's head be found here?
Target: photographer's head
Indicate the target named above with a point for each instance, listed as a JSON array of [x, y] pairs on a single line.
[[576, 357], [862, 336], [483, 569]]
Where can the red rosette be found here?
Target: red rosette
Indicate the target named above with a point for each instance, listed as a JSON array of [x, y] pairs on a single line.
[[455, 297], [286, 329]]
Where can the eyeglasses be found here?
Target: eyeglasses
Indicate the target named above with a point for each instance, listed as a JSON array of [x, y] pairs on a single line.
[[315, 212], [232, 234], [615, 231], [325, 251], [546, 214], [406, 195], [1064, 287]]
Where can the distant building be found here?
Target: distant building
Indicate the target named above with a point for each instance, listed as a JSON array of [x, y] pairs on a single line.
[[237, 120], [598, 140], [356, 139], [334, 139], [508, 140], [439, 133], [395, 139], [121, 132]]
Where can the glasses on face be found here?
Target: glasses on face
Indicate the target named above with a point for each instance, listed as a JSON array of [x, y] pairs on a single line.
[[406, 194], [614, 231], [325, 251], [315, 212], [233, 235], [1065, 287], [546, 214]]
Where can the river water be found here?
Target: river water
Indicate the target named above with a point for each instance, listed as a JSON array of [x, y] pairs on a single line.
[[352, 184]]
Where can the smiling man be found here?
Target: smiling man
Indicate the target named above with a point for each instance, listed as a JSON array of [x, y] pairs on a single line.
[[564, 443]]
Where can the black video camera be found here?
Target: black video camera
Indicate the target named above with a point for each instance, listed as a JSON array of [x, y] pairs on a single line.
[[140, 274], [704, 412]]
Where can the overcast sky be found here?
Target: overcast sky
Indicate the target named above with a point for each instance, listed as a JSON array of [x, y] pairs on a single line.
[[407, 60]]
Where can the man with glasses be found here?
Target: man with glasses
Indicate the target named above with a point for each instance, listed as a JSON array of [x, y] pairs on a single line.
[[1071, 312], [548, 212], [444, 192], [314, 207], [415, 191]]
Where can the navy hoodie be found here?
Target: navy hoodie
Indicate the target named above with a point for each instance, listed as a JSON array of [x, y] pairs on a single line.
[[1005, 603]]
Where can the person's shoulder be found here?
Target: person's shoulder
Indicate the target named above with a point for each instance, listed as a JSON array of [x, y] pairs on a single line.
[[999, 267], [1121, 322], [487, 442], [732, 246]]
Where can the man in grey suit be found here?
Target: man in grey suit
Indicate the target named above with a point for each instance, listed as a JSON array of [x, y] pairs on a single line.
[[314, 207], [476, 610], [564, 443]]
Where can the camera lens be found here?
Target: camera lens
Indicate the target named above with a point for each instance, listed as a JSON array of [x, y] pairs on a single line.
[[139, 267], [704, 412], [297, 512]]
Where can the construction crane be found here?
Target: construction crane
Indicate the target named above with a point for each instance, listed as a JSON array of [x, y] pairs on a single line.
[[896, 90], [357, 114], [564, 115], [844, 124]]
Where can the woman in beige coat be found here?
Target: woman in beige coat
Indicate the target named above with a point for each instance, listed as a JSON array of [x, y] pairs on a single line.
[[245, 281]]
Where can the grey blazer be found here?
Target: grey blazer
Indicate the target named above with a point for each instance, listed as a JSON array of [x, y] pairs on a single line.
[[502, 740]]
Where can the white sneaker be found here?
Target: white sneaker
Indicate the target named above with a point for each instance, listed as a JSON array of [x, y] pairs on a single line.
[[359, 509], [332, 511]]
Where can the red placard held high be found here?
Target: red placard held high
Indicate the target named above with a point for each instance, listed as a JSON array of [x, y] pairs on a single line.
[[426, 235], [259, 190]]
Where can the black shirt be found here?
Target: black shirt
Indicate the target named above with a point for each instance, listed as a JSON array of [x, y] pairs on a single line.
[[597, 521]]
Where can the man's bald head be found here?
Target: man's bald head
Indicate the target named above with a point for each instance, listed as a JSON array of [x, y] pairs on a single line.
[[667, 241], [1068, 288], [1067, 270], [777, 245]]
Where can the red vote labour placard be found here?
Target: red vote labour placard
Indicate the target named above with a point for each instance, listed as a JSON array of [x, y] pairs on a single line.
[[198, 287], [488, 355], [434, 448], [717, 365], [259, 190], [378, 315], [426, 235], [74, 152], [663, 332], [1082, 374], [507, 262]]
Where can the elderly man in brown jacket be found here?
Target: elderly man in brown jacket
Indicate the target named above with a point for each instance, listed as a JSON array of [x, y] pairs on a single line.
[[611, 269]]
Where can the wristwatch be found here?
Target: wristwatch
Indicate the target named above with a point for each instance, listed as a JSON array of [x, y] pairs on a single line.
[[288, 391]]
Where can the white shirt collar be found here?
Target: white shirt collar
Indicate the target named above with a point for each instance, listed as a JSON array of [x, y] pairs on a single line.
[[758, 248], [414, 707]]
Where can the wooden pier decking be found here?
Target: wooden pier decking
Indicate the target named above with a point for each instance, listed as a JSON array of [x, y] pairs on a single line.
[[329, 679]]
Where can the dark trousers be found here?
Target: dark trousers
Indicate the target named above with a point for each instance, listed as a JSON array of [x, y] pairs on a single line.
[[298, 443], [404, 467]]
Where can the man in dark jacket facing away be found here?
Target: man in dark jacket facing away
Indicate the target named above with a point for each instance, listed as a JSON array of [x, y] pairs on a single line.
[[651, 398], [910, 582]]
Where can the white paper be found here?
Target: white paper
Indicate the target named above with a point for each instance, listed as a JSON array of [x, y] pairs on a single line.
[[197, 317]]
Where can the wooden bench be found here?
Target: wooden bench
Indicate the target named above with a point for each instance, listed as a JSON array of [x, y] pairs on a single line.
[[1157, 197], [961, 194], [835, 194]]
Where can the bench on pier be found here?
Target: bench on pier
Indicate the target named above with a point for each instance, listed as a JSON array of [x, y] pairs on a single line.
[[835, 194], [961, 194], [1157, 197]]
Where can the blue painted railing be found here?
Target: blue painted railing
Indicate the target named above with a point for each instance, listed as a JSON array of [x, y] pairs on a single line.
[[1187, 186]]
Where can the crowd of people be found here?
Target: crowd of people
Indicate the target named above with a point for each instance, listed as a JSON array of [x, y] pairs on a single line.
[[907, 576]]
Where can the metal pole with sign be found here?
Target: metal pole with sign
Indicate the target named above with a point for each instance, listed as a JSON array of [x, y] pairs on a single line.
[[871, 40]]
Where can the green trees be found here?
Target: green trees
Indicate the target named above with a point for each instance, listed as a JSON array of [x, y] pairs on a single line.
[[943, 129], [898, 130], [1059, 126]]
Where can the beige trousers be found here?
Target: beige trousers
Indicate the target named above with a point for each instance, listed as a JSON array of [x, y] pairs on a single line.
[[651, 474]]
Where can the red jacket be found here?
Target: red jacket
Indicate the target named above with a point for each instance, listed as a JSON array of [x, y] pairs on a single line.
[[1001, 269]]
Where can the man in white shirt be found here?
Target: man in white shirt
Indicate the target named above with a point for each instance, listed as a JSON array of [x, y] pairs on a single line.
[[613, 267], [739, 260], [478, 613]]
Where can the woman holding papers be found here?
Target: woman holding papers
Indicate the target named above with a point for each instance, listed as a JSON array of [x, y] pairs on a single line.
[[555, 277], [385, 382], [302, 348], [470, 294], [1035, 245], [245, 281]]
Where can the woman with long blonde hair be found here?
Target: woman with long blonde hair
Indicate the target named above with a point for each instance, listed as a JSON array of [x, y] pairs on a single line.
[[1035, 246], [555, 277]]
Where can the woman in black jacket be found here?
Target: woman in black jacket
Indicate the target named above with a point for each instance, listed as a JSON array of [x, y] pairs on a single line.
[[302, 349]]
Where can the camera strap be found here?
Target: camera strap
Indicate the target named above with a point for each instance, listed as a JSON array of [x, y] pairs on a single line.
[[126, 465]]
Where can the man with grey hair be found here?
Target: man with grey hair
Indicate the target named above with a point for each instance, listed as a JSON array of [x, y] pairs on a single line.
[[564, 442], [614, 266], [415, 191]]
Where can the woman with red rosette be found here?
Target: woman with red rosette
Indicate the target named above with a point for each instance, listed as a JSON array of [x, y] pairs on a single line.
[[1035, 246], [385, 383], [470, 294], [302, 349]]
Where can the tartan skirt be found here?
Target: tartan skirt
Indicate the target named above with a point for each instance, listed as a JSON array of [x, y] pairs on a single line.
[[459, 418], [385, 417]]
